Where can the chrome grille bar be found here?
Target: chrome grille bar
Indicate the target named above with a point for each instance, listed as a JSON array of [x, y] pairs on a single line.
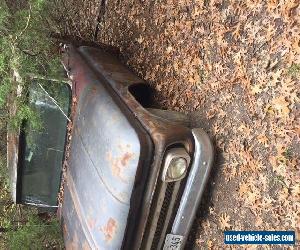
[[166, 221], [154, 215], [161, 213]]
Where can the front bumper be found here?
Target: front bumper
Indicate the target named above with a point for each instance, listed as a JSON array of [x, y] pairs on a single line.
[[195, 185]]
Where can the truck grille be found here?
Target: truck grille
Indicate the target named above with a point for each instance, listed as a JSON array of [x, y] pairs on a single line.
[[161, 214]]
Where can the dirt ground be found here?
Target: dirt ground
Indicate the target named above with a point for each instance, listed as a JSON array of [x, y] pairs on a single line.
[[234, 66]]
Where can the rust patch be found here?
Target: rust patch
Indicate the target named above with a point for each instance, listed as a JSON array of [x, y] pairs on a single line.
[[109, 230], [126, 158], [91, 223], [75, 242], [85, 245], [65, 230], [68, 244], [94, 90], [118, 163]]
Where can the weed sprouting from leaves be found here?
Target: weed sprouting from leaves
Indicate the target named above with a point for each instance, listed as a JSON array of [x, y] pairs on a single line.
[[294, 70], [288, 153]]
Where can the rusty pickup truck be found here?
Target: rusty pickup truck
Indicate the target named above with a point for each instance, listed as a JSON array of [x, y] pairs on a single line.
[[135, 175]]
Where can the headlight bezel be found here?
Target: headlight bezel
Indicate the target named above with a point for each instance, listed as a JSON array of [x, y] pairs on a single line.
[[170, 158]]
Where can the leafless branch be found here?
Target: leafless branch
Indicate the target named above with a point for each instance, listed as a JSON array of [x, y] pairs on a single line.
[[27, 24]]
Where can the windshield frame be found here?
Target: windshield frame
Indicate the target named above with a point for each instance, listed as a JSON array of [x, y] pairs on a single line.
[[17, 167]]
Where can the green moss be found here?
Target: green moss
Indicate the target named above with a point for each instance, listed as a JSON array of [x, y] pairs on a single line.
[[294, 70], [36, 234]]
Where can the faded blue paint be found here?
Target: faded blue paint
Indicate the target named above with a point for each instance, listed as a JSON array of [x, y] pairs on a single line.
[[104, 157]]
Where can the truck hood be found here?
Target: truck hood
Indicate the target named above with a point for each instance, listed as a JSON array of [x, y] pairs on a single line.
[[105, 155]]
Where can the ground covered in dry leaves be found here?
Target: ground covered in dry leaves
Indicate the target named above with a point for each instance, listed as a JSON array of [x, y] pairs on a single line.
[[236, 66]]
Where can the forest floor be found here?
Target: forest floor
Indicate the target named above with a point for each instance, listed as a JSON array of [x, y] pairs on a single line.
[[234, 66]]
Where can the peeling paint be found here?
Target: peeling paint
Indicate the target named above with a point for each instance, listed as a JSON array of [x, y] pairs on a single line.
[[109, 230], [91, 223], [119, 163], [126, 158], [85, 246]]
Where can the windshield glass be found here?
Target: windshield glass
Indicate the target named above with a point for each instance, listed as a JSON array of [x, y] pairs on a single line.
[[44, 148]]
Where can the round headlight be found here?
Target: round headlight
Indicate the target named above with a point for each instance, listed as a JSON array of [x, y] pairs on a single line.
[[177, 168], [175, 165]]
